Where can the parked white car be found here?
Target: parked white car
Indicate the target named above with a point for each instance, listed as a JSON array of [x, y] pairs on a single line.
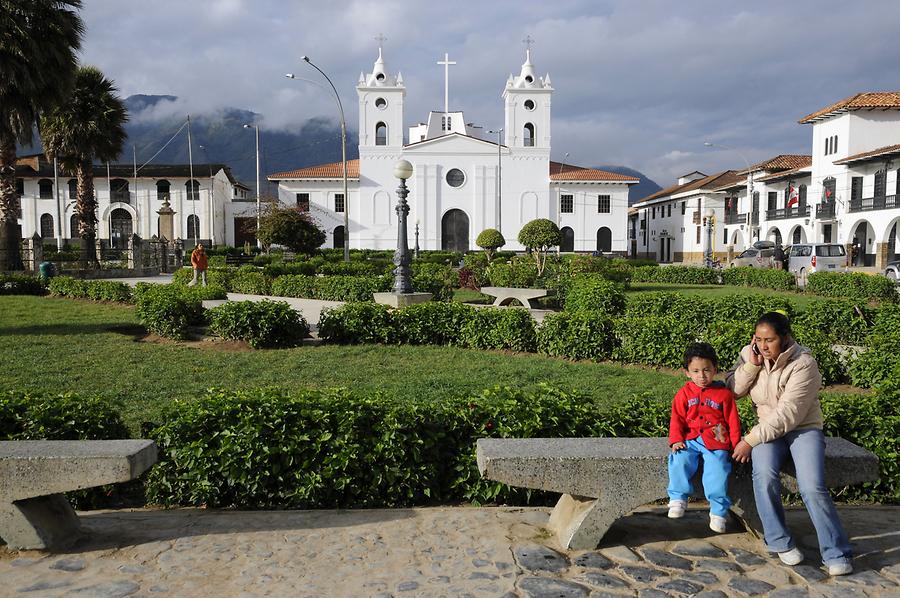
[[892, 271], [806, 258]]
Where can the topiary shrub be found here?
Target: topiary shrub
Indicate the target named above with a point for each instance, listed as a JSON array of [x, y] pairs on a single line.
[[856, 286], [490, 239], [499, 328], [582, 334], [262, 324], [593, 292], [167, 310], [433, 323], [22, 284], [358, 322], [538, 236]]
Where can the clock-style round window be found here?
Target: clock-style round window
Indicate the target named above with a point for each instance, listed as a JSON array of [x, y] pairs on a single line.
[[455, 177], [381, 103], [529, 105]]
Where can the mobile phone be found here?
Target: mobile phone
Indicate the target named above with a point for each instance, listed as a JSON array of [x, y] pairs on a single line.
[[755, 349]]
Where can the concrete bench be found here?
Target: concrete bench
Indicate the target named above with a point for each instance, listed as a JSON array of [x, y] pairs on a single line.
[[603, 479], [238, 260], [505, 295], [34, 513]]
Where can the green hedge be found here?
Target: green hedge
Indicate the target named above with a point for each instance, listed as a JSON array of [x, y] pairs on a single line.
[[593, 292], [358, 322], [880, 361], [764, 278], [22, 284], [330, 288], [249, 280], [262, 324], [583, 334], [98, 290], [168, 310], [857, 286], [27, 416], [493, 328], [845, 322], [677, 275], [433, 323], [215, 276]]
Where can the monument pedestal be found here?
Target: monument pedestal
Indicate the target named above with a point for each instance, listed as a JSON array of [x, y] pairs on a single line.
[[401, 299]]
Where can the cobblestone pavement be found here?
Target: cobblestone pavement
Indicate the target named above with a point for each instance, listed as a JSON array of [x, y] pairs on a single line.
[[503, 552]]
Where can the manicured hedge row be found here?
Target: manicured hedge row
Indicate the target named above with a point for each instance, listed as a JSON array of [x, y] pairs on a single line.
[[22, 284], [852, 285], [764, 278], [263, 324], [593, 292], [880, 361], [98, 290], [677, 274], [168, 310], [330, 288]]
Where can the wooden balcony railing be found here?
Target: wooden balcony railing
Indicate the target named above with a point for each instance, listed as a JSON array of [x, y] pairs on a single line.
[[868, 204]]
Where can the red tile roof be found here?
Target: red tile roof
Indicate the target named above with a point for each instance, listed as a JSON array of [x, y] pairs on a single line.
[[861, 101], [713, 181], [871, 155], [322, 171], [568, 172], [786, 174], [782, 162]]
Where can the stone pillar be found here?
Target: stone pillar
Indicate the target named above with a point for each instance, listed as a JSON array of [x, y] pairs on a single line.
[[881, 255], [36, 253], [848, 247], [162, 260], [135, 253], [166, 221], [730, 253]]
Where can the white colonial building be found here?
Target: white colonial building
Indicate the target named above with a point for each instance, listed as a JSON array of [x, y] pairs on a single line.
[[844, 192], [463, 182], [206, 206]]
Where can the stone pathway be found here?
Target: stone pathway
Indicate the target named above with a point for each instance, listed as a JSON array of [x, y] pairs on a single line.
[[460, 551]]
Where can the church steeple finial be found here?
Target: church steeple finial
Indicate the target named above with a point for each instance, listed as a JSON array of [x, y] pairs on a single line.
[[380, 38], [528, 41]]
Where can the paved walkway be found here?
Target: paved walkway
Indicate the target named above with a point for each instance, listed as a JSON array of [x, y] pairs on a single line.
[[460, 551]]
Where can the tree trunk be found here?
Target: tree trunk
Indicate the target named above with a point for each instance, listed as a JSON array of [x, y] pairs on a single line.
[[86, 208], [10, 236]]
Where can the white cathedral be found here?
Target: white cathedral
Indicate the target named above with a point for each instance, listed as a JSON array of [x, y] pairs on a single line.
[[461, 183]]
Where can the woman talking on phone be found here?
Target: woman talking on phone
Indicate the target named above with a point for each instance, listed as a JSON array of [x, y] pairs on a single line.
[[783, 381]]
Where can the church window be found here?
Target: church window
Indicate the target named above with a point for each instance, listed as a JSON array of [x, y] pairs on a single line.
[[834, 145], [381, 134], [162, 190], [529, 135], [303, 202], [529, 105], [449, 123], [338, 202], [566, 204], [381, 103], [528, 78], [379, 77], [73, 188], [193, 189], [443, 123], [455, 177], [603, 206], [46, 226], [45, 189]]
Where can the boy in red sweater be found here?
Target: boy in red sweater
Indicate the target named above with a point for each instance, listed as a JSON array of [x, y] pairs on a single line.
[[704, 424]]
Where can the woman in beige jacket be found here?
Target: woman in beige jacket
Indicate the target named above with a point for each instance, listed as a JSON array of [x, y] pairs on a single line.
[[783, 381]]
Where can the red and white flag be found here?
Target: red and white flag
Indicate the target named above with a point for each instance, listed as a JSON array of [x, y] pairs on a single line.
[[793, 196]]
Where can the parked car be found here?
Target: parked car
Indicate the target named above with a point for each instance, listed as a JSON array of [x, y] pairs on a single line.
[[892, 271], [806, 258], [755, 258]]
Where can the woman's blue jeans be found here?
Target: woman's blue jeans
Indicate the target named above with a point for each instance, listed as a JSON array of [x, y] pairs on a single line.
[[807, 449]]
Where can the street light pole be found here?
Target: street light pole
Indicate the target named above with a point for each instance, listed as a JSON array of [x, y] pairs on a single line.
[[343, 158], [499, 132], [258, 242], [402, 283]]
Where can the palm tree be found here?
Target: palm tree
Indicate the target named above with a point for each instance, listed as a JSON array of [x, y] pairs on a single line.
[[38, 43], [91, 125]]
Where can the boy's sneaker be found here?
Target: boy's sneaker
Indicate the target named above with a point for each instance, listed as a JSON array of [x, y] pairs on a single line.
[[717, 523], [676, 509], [840, 569], [791, 557]]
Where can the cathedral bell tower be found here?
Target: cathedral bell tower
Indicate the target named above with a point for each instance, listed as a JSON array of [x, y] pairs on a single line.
[[380, 107], [526, 100]]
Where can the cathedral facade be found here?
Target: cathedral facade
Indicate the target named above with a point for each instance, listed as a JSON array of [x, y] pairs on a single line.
[[464, 180]]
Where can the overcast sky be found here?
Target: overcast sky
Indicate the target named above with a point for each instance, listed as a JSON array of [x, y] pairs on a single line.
[[637, 83]]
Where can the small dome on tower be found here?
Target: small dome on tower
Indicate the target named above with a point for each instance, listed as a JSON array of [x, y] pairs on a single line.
[[379, 76]]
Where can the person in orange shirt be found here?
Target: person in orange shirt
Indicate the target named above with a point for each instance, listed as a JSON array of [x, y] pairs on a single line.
[[200, 263]]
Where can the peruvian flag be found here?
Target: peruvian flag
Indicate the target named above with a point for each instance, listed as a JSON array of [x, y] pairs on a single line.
[[793, 196]]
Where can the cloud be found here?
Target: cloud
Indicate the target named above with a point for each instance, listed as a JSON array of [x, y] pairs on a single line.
[[637, 83]]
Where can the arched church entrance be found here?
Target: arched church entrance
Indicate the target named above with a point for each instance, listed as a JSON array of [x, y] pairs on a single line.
[[604, 240], [455, 231], [568, 239], [120, 228]]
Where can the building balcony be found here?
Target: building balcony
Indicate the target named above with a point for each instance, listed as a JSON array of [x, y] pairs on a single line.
[[825, 211], [868, 204], [735, 218], [786, 213]]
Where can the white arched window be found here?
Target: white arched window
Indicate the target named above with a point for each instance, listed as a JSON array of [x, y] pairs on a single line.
[[381, 134], [528, 135]]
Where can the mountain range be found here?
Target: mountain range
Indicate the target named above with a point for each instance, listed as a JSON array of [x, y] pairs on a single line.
[[157, 134]]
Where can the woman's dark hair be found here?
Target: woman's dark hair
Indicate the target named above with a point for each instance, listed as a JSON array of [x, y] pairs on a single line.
[[778, 322], [701, 350]]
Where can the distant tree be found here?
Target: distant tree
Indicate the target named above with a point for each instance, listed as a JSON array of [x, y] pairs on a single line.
[[288, 226], [39, 40], [89, 126], [538, 236], [490, 239]]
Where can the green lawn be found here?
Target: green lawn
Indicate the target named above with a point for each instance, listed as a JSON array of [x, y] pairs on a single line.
[[62, 345], [800, 299]]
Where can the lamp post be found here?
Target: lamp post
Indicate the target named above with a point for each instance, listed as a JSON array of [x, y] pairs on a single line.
[[499, 132], [212, 199], [258, 242], [416, 249], [402, 284], [343, 157], [749, 185]]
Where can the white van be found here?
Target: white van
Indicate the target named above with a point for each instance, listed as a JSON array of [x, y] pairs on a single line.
[[806, 258]]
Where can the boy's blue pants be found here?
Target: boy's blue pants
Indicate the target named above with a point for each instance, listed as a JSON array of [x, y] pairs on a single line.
[[716, 468]]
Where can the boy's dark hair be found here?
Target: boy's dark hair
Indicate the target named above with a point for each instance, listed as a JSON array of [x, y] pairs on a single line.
[[778, 322], [701, 350]]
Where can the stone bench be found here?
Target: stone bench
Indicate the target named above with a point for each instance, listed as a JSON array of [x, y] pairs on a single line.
[[603, 479], [34, 474], [505, 295]]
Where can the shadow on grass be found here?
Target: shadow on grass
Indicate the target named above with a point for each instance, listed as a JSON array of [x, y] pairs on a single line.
[[135, 331]]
